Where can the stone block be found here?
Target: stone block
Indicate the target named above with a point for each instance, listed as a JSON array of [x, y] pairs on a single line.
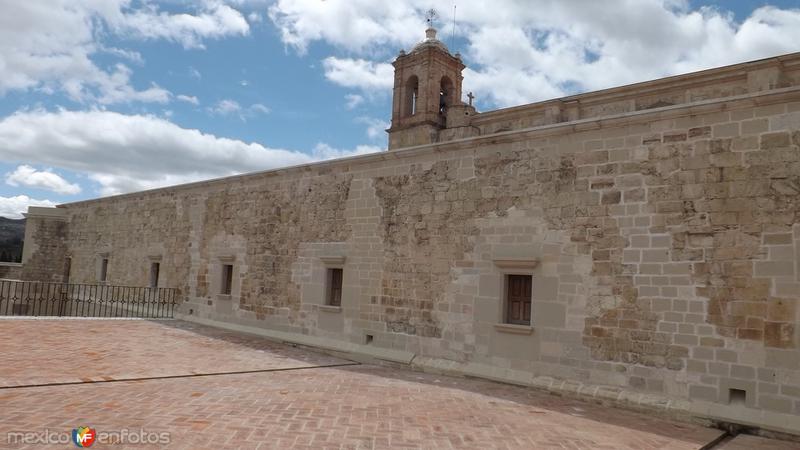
[[775, 403], [703, 353], [769, 110], [779, 334], [611, 198], [726, 130], [592, 157], [685, 339], [775, 140], [548, 314], [777, 239], [655, 256], [744, 372], [782, 359], [785, 121], [726, 159], [726, 355], [792, 391], [545, 288], [782, 309], [773, 269], [699, 132], [755, 126], [706, 393]]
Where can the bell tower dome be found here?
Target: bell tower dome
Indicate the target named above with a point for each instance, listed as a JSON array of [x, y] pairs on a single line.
[[427, 81]]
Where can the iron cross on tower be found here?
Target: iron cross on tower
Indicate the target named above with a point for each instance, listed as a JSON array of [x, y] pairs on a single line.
[[430, 16]]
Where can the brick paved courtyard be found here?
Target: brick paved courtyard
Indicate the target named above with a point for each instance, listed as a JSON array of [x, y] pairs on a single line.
[[209, 388]]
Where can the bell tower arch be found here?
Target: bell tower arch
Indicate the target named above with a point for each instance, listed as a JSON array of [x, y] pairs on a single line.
[[427, 81]]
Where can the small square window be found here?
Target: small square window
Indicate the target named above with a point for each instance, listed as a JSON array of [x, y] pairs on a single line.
[[227, 279], [737, 396], [518, 299], [103, 270], [155, 268], [334, 297]]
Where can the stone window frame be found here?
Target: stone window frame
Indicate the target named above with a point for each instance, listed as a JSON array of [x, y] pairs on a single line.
[[332, 262], [334, 274], [103, 260], [225, 292], [154, 260], [66, 271], [508, 315], [514, 266]]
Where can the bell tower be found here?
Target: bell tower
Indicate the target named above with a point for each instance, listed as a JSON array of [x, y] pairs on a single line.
[[427, 82]]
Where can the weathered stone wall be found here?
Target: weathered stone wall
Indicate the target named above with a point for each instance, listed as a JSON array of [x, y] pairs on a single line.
[[666, 246], [132, 235], [739, 79], [10, 271], [44, 253]]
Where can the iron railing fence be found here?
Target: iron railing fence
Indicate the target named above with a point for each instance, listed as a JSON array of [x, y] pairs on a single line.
[[33, 298]]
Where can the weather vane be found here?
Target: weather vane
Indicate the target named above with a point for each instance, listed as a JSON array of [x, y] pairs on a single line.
[[430, 16]]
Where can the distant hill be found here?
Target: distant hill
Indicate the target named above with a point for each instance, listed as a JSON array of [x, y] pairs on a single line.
[[12, 232]]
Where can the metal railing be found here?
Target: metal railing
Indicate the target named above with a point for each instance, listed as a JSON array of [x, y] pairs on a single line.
[[33, 298]]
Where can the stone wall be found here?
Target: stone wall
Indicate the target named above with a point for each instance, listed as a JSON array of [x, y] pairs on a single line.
[[664, 247], [44, 252], [739, 79], [10, 271]]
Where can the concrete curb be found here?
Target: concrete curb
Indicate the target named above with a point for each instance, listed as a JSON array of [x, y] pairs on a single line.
[[356, 352]]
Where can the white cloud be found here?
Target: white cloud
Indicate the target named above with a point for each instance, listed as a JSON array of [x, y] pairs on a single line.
[[228, 107], [254, 17], [13, 207], [352, 101], [130, 55], [362, 74], [325, 151], [214, 21], [376, 128], [27, 176], [225, 107], [259, 108], [188, 99], [117, 89], [358, 25], [49, 44], [125, 153], [519, 54]]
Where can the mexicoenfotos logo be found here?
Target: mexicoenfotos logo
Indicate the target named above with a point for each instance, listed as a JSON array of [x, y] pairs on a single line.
[[83, 436]]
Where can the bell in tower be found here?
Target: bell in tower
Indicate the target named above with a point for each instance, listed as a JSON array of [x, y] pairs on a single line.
[[427, 83]]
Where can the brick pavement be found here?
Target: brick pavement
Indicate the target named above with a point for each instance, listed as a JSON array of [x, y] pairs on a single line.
[[359, 406], [39, 351]]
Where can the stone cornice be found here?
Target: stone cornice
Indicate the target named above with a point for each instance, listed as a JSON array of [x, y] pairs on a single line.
[[45, 213]]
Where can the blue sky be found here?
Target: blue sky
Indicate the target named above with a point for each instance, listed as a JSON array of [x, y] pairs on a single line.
[[108, 96]]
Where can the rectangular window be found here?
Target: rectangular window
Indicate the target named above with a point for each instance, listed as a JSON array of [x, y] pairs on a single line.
[[227, 279], [67, 269], [104, 270], [335, 287], [155, 268], [518, 299]]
